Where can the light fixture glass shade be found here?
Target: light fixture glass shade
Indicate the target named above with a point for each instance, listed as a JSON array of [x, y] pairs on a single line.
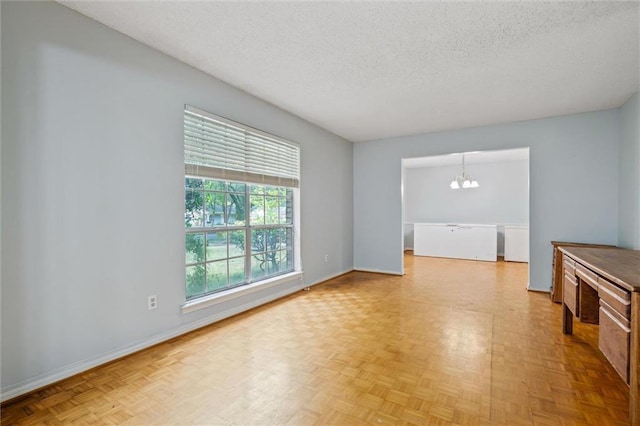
[[463, 181]]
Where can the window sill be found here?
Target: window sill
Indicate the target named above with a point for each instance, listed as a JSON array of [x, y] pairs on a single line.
[[214, 299]]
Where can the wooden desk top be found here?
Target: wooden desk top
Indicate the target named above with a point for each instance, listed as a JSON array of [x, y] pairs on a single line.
[[618, 265], [568, 243]]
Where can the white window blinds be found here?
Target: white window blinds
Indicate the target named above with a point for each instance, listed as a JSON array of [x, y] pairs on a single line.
[[218, 148]]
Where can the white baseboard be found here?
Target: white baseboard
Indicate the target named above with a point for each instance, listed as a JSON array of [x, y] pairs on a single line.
[[378, 271], [67, 371], [539, 290], [329, 277]]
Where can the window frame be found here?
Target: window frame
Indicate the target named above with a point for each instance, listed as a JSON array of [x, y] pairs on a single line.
[[249, 255], [207, 154], [278, 286]]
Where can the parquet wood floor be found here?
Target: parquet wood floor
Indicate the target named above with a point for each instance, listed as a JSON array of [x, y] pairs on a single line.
[[451, 342]]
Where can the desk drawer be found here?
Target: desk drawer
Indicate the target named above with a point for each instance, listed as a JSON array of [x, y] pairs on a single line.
[[570, 293], [569, 265], [614, 340], [618, 299], [626, 323], [587, 276]]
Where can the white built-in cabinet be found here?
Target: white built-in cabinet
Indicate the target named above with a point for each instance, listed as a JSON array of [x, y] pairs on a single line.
[[470, 241], [516, 243], [460, 241]]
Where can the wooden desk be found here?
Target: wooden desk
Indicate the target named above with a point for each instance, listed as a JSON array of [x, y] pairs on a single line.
[[556, 266], [602, 286]]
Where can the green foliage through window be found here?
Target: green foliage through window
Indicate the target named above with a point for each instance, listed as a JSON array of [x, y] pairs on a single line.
[[236, 233]]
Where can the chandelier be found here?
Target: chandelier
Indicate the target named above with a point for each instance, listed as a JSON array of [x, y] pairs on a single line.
[[463, 181]]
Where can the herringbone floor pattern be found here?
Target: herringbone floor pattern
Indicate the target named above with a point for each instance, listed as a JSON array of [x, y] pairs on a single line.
[[451, 342]]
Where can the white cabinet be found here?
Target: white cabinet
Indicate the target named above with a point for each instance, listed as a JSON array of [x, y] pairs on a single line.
[[516, 243], [460, 241]]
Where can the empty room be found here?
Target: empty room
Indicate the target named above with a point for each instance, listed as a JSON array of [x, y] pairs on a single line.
[[315, 213]]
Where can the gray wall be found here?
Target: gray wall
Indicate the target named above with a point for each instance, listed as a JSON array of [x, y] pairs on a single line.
[[503, 195], [629, 195], [0, 182], [573, 163], [92, 192]]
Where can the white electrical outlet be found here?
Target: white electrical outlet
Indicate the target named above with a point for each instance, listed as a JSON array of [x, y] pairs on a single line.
[[326, 257], [152, 302]]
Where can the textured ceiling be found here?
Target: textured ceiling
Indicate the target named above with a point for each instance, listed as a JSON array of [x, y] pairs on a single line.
[[373, 70]]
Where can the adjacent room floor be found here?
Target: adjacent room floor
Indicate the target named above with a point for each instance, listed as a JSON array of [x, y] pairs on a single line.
[[451, 342]]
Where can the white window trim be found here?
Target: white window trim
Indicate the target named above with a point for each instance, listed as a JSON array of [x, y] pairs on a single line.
[[224, 296]]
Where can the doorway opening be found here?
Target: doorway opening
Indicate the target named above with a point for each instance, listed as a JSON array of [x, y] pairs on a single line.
[[467, 205]]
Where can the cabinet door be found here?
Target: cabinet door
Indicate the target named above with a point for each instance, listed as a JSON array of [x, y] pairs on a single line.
[[516, 244], [614, 339]]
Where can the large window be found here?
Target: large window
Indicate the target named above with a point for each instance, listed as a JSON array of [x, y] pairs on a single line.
[[238, 230], [220, 218]]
